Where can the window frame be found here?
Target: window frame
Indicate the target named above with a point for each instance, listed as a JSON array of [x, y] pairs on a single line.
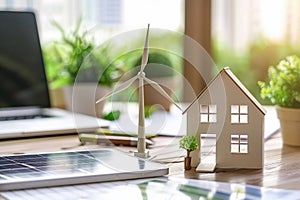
[[239, 114], [239, 144], [208, 113]]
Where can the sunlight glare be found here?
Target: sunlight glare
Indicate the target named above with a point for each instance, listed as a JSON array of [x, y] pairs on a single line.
[[273, 18]]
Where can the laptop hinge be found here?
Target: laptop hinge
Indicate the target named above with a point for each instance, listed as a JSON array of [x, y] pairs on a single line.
[[20, 111]]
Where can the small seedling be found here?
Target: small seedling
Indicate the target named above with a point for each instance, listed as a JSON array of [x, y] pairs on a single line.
[[189, 143]]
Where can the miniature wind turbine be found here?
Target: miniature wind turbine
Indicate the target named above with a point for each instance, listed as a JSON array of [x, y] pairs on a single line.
[[141, 145]]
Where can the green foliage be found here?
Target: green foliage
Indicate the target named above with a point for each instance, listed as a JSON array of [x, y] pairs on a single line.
[[159, 64], [239, 63], [53, 68], [113, 115], [76, 50], [149, 110], [251, 64], [283, 86], [189, 143]]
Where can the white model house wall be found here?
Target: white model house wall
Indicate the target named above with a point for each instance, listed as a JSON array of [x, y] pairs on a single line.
[[228, 110]]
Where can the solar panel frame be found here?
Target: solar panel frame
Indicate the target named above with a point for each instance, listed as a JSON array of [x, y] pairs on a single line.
[[73, 167]]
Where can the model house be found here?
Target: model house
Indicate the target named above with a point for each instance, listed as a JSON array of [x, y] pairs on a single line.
[[225, 110]]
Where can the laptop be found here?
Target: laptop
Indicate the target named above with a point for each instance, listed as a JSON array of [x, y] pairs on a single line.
[[25, 108]]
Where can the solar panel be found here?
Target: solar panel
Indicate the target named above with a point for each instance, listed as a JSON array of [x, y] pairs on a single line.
[[73, 167]]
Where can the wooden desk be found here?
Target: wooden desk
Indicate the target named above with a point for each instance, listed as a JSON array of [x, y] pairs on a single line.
[[281, 168]]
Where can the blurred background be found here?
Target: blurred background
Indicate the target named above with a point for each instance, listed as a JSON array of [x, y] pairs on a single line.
[[248, 36]]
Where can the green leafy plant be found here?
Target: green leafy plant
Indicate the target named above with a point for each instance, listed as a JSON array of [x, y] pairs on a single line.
[[159, 64], [189, 143], [283, 86], [112, 115], [75, 50], [149, 110]]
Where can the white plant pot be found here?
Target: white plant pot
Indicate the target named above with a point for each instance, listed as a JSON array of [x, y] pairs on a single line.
[[82, 98], [290, 125]]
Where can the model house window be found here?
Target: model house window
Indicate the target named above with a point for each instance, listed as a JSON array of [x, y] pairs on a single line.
[[239, 143], [208, 113], [239, 114]]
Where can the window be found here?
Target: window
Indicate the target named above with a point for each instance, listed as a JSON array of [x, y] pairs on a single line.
[[239, 114], [239, 144], [108, 12], [208, 113]]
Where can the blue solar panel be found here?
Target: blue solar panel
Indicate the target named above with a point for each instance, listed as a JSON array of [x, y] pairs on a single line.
[[74, 167]]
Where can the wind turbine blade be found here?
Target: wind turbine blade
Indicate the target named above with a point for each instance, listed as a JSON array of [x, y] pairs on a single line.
[[157, 87], [118, 89], [145, 52]]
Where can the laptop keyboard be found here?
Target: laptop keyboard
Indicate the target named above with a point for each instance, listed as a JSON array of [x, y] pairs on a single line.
[[10, 118]]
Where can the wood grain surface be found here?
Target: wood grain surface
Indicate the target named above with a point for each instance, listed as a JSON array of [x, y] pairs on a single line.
[[281, 164]]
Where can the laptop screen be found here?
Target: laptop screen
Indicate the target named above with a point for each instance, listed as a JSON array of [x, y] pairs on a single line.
[[22, 74]]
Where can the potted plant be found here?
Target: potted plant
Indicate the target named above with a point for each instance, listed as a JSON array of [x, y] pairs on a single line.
[[77, 59], [189, 143], [283, 89]]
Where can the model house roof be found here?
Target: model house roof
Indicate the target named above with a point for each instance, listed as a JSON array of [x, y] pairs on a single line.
[[226, 71]]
